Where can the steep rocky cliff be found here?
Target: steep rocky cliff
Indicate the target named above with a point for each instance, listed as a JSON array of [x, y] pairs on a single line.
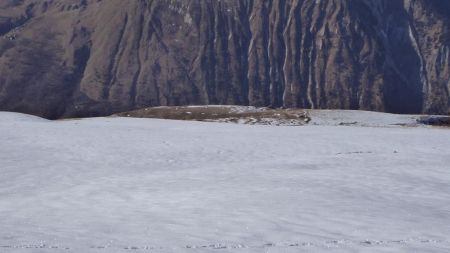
[[66, 58]]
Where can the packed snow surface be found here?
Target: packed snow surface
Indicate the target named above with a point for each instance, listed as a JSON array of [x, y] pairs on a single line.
[[361, 118], [148, 185]]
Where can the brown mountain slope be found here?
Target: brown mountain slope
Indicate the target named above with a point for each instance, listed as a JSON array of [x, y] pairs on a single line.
[[65, 58]]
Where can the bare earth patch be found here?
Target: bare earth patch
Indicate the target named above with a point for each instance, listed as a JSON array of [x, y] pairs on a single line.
[[443, 121], [234, 114]]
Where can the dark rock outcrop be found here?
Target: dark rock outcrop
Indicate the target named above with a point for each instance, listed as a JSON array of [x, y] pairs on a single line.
[[69, 58]]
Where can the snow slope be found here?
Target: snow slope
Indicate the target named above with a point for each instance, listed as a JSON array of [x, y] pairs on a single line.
[[361, 118], [147, 185]]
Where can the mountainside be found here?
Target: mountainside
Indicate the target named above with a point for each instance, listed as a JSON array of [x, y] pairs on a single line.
[[67, 58]]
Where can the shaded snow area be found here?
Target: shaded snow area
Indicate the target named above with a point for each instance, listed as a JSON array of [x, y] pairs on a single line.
[[149, 185]]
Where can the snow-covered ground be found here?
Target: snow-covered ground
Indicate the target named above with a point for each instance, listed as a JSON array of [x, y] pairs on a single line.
[[361, 118], [148, 185]]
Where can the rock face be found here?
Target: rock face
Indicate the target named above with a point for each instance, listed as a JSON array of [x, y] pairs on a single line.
[[69, 58]]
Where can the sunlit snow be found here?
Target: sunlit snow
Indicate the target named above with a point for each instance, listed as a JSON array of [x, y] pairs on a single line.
[[148, 185]]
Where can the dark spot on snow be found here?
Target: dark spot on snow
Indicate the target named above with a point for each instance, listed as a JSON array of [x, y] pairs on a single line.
[[434, 120], [348, 123]]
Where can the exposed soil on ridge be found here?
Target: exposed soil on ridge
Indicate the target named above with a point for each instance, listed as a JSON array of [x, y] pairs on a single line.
[[234, 114]]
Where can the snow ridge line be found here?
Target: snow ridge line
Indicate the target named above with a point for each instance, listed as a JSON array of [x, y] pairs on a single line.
[[220, 246]]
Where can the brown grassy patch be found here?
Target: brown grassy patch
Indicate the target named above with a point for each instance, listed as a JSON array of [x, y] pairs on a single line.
[[248, 115]]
